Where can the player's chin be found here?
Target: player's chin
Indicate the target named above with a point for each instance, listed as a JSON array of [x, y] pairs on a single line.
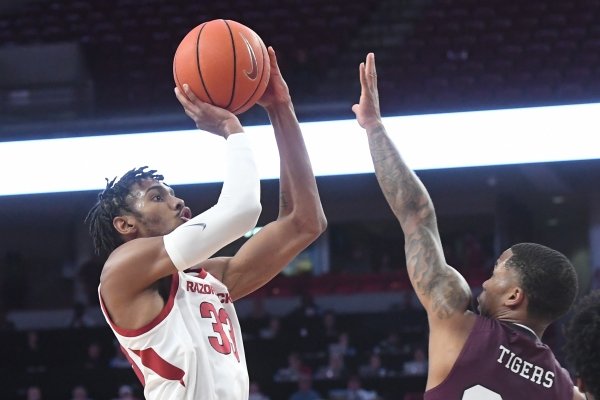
[[175, 225]]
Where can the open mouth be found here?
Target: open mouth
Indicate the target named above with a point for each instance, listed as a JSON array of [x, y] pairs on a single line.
[[185, 214]]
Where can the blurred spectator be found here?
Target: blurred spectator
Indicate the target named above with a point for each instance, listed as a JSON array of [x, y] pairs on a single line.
[[93, 358], [33, 393], [390, 345], [272, 330], [305, 390], [374, 368], [125, 393], [79, 392], [33, 355], [335, 368], [353, 391], [418, 364], [255, 392], [342, 346], [304, 325], [304, 320], [293, 371], [257, 319], [118, 360], [329, 330]]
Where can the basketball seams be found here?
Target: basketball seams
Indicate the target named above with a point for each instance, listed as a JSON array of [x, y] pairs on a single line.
[[198, 63], [207, 59], [234, 64], [177, 83]]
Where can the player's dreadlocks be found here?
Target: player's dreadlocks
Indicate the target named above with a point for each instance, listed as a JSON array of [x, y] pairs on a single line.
[[583, 342], [112, 202]]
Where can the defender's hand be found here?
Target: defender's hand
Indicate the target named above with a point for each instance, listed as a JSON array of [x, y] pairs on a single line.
[[367, 110]]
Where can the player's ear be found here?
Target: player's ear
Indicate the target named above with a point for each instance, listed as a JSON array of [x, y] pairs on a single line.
[[124, 224], [515, 297]]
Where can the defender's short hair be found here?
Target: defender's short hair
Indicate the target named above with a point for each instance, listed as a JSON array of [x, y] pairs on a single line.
[[548, 278]]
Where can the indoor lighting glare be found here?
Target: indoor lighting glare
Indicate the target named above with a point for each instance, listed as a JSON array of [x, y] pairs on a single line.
[[434, 141]]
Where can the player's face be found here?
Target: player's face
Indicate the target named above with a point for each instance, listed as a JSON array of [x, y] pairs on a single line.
[[496, 288], [157, 210]]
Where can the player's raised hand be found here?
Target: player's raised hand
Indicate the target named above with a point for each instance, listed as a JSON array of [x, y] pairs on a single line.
[[206, 116], [367, 110], [277, 91]]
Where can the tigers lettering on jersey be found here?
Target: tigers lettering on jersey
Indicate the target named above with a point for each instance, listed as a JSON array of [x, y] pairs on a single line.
[[524, 368]]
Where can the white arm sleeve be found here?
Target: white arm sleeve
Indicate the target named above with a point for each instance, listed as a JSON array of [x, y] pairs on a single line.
[[235, 213]]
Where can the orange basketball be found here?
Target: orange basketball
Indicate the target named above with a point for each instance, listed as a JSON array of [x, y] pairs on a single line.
[[225, 64]]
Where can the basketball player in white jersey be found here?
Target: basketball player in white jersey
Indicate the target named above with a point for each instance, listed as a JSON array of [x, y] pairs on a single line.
[[169, 304]]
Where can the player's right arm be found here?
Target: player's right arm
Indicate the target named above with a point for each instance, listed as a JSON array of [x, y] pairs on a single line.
[[132, 270], [440, 288]]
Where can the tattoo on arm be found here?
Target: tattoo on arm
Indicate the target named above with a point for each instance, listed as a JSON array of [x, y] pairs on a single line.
[[400, 187], [411, 204], [431, 277], [283, 201]]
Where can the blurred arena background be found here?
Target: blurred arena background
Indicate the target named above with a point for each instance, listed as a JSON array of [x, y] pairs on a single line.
[[76, 68]]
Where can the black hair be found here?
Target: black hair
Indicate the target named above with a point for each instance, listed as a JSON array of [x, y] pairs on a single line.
[[583, 342], [112, 202], [548, 279]]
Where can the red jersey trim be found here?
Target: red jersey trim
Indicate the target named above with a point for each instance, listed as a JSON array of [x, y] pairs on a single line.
[[158, 319], [200, 271]]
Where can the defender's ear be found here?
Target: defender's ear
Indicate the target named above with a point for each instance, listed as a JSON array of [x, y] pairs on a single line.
[[125, 224], [515, 297]]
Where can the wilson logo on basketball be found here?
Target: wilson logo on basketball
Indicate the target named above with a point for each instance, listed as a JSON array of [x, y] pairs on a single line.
[[254, 72]]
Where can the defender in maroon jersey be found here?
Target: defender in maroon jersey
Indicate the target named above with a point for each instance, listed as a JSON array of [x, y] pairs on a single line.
[[495, 355]]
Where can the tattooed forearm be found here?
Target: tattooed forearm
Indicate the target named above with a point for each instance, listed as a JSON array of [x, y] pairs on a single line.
[[402, 189], [437, 284], [431, 277]]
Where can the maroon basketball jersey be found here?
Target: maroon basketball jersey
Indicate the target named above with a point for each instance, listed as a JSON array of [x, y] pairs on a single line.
[[503, 361]]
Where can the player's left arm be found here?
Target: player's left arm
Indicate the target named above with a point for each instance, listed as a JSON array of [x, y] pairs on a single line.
[[301, 218]]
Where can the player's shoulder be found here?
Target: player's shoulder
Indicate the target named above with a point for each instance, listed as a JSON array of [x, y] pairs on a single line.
[[132, 251]]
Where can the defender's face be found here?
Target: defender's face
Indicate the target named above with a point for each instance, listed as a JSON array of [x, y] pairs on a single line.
[[157, 210], [497, 286]]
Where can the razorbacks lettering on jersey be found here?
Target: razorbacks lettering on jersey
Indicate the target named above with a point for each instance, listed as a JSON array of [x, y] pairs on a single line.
[[503, 361], [193, 349]]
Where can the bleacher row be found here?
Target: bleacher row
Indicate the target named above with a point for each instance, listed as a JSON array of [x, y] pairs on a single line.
[[432, 55], [344, 284], [61, 362]]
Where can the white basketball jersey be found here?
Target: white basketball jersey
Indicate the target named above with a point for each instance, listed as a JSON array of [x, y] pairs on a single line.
[[193, 349]]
